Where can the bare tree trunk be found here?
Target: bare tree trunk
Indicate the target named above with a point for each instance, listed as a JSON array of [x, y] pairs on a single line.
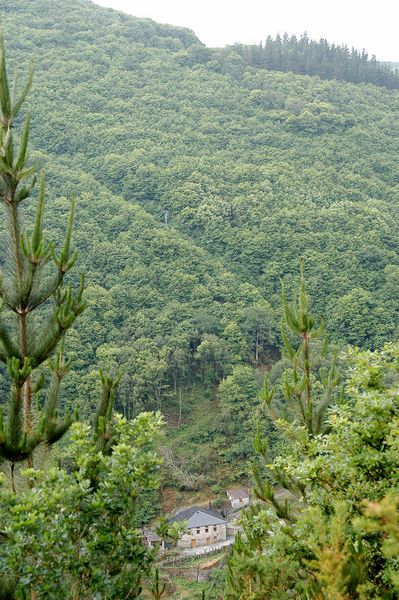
[[308, 393], [257, 346], [180, 404], [12, 468]]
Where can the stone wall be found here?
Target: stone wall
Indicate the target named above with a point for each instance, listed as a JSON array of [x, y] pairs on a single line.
[[203, 536]]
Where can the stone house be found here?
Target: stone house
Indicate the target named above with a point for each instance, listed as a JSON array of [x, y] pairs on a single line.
[[204, 527], [152, 539], [238, 497]]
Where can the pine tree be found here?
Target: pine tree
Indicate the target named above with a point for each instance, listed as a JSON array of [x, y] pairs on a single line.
[[301, 403], [308, 390], [328, 61], [37, 307]]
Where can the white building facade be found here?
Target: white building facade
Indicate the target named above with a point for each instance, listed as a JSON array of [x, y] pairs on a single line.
[[238, 497], [204, 527]]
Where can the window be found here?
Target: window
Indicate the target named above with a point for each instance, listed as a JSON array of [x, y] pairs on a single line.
[[215, 528], [206, 529], [198, 531]]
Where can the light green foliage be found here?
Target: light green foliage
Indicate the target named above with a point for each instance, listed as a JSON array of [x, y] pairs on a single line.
[[236, 343], [329, 545], [326, 548], [79, 537], [171, 532], [382, 517], [258, 324]]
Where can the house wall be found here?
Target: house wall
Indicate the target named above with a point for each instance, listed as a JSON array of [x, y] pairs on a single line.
[[239, 503], [204, 537]]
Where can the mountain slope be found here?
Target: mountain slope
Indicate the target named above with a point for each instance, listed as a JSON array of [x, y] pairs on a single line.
[[255, 168]]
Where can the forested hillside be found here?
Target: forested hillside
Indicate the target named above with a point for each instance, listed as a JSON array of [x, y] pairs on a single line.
[[328, 61], [200, 181], [237, 224]]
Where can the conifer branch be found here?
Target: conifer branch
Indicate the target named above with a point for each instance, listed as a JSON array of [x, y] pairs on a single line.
[[27, 347]]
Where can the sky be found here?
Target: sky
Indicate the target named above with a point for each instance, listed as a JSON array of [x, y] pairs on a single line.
[[360, 23]]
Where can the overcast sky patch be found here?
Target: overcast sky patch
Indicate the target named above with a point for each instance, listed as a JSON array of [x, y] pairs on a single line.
[[358, 23]]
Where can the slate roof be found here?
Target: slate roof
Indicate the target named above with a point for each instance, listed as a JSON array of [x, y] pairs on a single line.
[[151, 535], [237, 493], [196, 516]]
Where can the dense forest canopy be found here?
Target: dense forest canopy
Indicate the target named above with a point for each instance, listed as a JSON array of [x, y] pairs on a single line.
[[201, 179], [208, 180], [328, 61]]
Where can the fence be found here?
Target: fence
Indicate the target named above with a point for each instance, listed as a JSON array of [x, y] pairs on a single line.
[[204, 551]]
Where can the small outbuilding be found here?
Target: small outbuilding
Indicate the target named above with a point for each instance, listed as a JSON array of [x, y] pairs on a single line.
[[204, 527], [238, 497], [152, 539]]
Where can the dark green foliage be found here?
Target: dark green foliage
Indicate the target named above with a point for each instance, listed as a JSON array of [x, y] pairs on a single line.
[[328, 61], [105, 409], [239, 406], [148, 507]]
